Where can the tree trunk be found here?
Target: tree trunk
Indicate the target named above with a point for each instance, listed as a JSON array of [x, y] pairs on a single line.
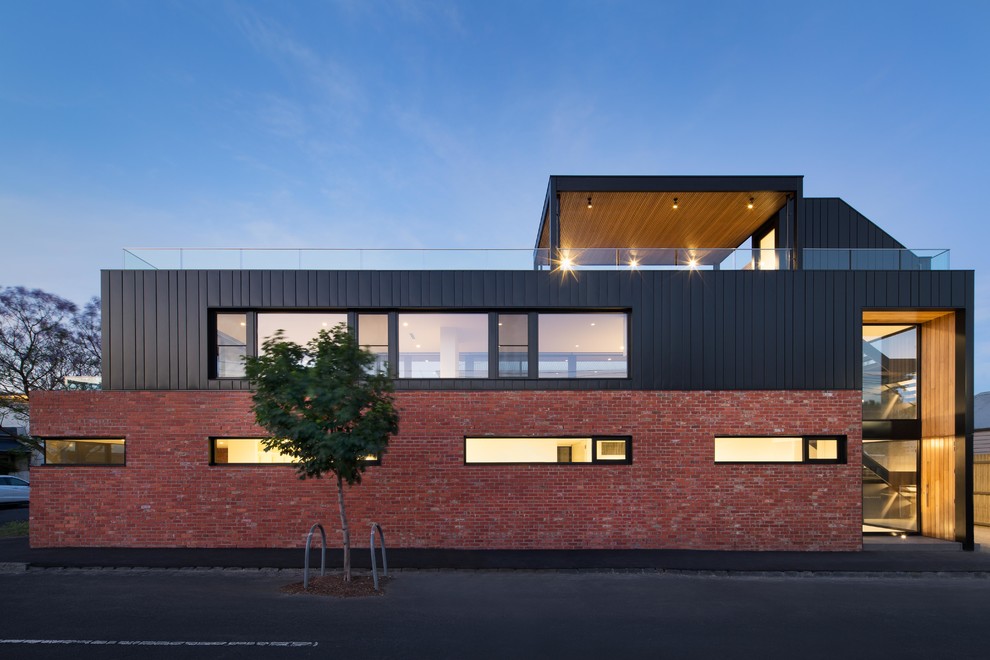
[[346, 530]]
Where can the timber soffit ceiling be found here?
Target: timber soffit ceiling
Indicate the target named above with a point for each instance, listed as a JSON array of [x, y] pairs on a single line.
[[649, 219]]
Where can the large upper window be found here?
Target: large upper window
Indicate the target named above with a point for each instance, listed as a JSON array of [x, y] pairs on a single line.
[[231, 345], [547, 450], [585, 345], [443, 345], [890, 372], [298, 327], [88, 451], [780, 449]]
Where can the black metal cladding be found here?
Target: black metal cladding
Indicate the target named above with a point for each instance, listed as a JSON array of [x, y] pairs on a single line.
[[689, 330], [831, 223]]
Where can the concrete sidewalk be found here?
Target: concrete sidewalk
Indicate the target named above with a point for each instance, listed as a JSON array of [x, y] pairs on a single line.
[[16, 553]]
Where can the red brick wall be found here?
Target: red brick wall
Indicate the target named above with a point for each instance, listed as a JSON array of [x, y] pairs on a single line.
[[672, 496]]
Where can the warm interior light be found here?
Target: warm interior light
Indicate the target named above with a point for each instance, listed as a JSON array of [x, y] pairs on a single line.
[[566, 263], [693, 264], [675, 202], [633, 263], [750, 205], [589, 201]]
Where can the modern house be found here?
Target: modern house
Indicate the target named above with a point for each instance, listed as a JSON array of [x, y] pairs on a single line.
[[678, 362]]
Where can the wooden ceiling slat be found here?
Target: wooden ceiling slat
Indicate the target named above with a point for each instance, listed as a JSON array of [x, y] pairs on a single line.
[[905, 316], [647, 220]]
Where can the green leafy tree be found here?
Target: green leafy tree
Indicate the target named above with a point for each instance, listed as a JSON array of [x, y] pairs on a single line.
[[325, 406]]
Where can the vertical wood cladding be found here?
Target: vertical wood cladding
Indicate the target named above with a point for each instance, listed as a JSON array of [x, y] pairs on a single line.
[[938, 428], [690, 330], [673, 495]]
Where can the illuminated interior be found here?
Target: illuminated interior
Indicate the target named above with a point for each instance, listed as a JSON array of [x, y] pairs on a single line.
[[443, 346], [90, 451], [545, 450], [759, 450], [298, 328], [245, 450], [583, 345]]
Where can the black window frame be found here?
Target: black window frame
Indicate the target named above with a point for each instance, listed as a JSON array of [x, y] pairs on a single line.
[[213, 446], [595, 461], [251, 323], [841, 451], [91, 438], [393, 319]]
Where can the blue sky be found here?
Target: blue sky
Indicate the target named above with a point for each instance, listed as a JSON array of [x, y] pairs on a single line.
[[398, 124]]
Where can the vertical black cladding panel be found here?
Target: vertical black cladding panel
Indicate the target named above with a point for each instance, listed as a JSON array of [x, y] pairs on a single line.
[[640, 331], [744, 313], [166, 336], [786, 333], [675, 347], [189, 331], [696, 295], [820, 312], [179, 325], [115, 313], [839, 311], [136, 303], [727, 328], [202, 332], [771, 307], [709, 319], [213, 288]]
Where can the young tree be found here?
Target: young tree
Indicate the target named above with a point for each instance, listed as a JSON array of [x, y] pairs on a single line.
[[42, 340], [324, 406]]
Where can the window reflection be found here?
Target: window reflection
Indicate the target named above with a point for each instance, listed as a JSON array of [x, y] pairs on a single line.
[[231, 342], [583, 345], [890, 372], [443, 346], [300, 328]]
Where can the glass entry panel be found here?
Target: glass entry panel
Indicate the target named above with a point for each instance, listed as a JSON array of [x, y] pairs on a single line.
[[890, 485]]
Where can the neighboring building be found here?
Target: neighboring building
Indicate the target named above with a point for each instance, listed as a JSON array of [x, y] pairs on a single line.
[[981, 417], [15, 457], [981, 451], [643, 382]]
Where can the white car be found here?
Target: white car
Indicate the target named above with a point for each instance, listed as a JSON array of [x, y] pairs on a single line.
[[14, 490]]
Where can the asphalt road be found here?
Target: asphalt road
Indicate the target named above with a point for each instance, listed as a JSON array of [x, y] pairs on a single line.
[[11, 512], [493, 615]]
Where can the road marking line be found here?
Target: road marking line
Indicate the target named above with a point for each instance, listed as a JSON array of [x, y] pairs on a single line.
[[145, 642]]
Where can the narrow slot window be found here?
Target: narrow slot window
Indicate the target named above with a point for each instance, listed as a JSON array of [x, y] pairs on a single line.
[[492, 450], [88, 451], [780, 449], [251, 451]]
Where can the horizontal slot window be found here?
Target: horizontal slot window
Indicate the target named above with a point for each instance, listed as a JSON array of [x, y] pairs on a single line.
[[546, 450], [251, 451], [88, 451], [780, 449]]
